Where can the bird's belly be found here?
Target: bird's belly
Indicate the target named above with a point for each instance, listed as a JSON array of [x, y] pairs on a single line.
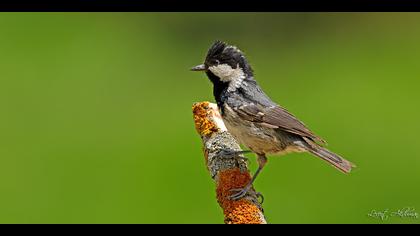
[[259, 139]]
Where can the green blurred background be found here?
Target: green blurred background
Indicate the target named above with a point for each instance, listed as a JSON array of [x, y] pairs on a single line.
[[96, 123]]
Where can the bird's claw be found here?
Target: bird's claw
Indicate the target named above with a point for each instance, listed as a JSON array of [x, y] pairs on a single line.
[[259, 195], [241, 192]]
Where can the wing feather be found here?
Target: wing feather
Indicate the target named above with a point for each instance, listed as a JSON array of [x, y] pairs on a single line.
[[276, 117]]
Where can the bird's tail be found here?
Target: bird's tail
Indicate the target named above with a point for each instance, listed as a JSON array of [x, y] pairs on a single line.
[[335, 160]]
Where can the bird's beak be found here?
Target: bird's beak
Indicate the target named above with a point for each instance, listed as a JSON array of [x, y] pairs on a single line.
[[201, 67]]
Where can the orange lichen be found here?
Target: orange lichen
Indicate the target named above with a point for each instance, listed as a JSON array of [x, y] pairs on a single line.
[[236, 212], [203, 124], [245, 211]]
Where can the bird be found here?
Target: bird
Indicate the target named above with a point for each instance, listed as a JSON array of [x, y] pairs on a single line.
[[254, 119]]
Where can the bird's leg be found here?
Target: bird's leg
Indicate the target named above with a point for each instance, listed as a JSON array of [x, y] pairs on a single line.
[[241, 192], [229, 153]]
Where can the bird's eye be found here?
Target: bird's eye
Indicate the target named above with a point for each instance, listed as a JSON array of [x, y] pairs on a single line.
[[217, 61]]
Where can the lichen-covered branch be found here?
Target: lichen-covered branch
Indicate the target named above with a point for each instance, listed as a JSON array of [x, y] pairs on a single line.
[[228, 172]]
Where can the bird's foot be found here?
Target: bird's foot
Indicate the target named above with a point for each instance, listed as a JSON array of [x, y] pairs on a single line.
[[240, 193]]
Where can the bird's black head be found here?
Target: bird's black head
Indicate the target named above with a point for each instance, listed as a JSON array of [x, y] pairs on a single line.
[[225, 64], [227, 68]]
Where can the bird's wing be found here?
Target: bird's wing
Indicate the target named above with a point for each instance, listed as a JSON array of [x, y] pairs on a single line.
[[276, 117]]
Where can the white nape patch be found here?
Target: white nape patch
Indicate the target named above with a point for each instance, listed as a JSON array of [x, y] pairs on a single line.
[[227, 74], [234, 48]]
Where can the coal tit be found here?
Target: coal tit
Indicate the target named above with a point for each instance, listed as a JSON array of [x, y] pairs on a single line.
[[253, 118]]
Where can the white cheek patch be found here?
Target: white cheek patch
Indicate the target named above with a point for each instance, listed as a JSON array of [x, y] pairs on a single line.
[[224, 71], [227, 74]]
